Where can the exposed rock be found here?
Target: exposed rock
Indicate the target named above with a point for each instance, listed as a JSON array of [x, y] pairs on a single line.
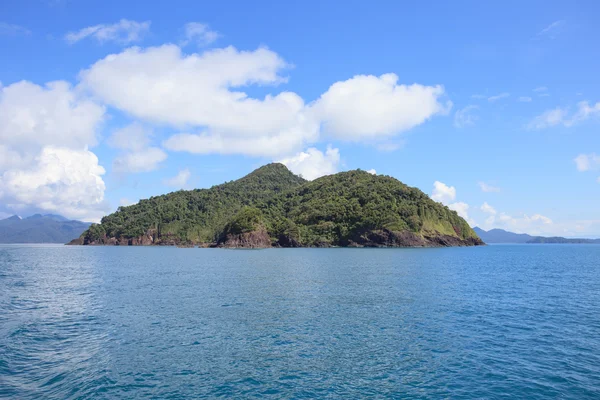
[[387, 238], [76, 242], [258, 239]]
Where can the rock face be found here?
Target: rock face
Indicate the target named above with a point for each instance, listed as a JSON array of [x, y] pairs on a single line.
[[258, 239], [148, 239], [387, 238]]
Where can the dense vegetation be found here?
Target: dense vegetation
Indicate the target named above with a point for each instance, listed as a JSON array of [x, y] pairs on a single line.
[[332, 210]]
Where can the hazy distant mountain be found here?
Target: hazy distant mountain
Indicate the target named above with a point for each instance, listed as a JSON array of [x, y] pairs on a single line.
[[502, 236], [49, 228]]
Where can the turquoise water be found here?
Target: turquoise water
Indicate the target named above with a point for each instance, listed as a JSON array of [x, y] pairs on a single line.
[[130, 322]]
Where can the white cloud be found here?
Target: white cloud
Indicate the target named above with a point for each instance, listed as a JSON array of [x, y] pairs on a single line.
[[478, 96], [524, 99], [486, 208], [372, 171], [138, 155], [464, 117], [536, 224], [498, 97], [179, 180], [552, 30], [443, 193], [160, 84], [13, 29], [368, 106], [201, 95], [587, 162], [33, 116], [560, 116], [199, 33], [132, 137], [144, 160], [548, 118], [488, 188], [461, 208], [45, 163], [59, 180], [125, 32], [313, 163], [584, 112], [540, 89]]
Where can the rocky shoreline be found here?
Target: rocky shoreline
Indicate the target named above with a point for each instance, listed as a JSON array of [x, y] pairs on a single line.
[[260, 239]]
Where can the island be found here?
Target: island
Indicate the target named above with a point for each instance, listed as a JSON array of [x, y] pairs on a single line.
[[272, 207]]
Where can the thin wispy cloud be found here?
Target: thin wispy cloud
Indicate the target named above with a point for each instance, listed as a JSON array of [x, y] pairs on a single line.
[[201, 34], [562, 116], [498, 97], [125, 32], [524, 99], [465, 117], [488, 188], [552, 30], [540, 89], [13, 29]]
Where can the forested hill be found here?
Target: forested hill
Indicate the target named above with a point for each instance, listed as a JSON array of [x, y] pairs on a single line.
[[273, 207]]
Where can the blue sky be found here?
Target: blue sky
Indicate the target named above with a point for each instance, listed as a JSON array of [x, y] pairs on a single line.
[[104, 103]]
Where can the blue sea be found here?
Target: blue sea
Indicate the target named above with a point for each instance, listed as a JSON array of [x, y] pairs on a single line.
[[503, 321]]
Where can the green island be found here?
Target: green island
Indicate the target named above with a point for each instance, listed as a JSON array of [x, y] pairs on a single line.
[[272, 207]]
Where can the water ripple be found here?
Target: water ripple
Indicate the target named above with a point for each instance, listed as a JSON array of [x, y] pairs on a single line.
[[500, 321]]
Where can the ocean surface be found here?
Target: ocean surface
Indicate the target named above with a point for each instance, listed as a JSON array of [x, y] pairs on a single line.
[[501, 321]]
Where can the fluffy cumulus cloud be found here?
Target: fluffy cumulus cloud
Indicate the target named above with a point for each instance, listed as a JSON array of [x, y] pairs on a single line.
[[313, 163], [368, 106], [443, 193], [465, 117], [58, 180], [32, 116], [201, 91], [461, 208], [137, 155], [486, 208], [45, 163], [125, 32], [202, 95], [372, 171], [562, 116], [199, 33], [446, 195], [179, 180]]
